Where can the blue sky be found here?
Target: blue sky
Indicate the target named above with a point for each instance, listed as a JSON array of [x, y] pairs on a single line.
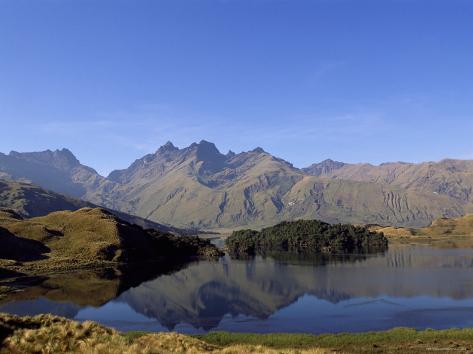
[[352, 80]]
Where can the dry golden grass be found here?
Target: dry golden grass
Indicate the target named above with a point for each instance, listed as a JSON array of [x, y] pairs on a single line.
[[453, 232], [396, 231], [50, 334]]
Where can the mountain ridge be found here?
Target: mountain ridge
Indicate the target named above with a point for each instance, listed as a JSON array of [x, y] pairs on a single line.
[[448, 177], [199, 187]]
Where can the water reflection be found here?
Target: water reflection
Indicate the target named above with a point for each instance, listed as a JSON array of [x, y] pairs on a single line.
[[42, 294], [406, 286]]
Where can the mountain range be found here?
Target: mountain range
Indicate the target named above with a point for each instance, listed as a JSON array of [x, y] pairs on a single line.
[[200, 187]]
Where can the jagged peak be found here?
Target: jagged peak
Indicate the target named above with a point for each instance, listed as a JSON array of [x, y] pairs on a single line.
[[66, 153], [325, 166], [208, 144], [330, 161], [207, 151], [204, 149], [258, 150], [169, 146]]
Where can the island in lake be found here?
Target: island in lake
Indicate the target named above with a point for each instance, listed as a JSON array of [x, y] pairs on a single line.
[[307, 237]]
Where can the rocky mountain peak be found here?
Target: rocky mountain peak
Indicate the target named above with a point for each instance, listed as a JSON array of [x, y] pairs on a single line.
[[206, 151], [62, 159], [324, 167], [258, 150], [67, 156], [169, 146]]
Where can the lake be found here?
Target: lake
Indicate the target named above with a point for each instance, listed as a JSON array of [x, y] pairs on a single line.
[[413, 286]]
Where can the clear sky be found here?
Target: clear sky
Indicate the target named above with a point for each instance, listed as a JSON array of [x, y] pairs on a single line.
[[351, 80]]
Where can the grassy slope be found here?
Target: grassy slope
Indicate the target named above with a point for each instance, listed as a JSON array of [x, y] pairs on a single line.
[[452, 232], [84, 234], [91, 236], [399, 340], [461, 226], [30, 200], [51, 334]]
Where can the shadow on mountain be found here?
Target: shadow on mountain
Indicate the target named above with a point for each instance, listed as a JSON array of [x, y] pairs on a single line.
[[20, 248]]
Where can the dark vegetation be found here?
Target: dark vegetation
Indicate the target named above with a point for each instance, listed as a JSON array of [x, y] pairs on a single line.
[[309, 259], [172, 246], [306, 237]]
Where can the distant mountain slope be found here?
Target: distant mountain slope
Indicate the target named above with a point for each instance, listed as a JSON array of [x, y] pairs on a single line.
[[57, 170], [199, 187], [29, 200], [452, 178]]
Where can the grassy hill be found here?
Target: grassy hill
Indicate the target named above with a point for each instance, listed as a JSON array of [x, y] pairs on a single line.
[[67, 239], [443, 232], [461, 226], [455, 226]]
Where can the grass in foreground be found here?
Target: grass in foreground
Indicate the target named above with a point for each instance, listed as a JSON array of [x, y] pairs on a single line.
[[52, 334], [398, 340]]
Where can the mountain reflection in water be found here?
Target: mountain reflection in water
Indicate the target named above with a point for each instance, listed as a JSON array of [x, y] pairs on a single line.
[[407, 286]]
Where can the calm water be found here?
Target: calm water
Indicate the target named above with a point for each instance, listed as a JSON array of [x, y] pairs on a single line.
[[418, 287]]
